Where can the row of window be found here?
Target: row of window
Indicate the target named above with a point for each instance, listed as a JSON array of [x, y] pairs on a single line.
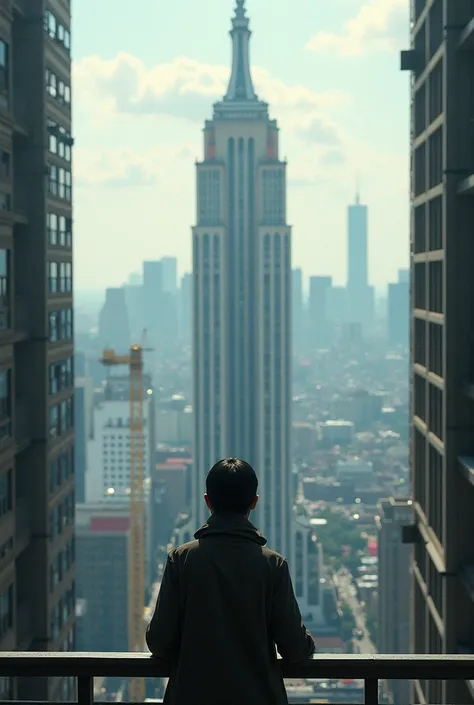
[[6, 492], [59, 277], [63, 612], [57, 88], [61, 516], [59, 140], [61, 375], [57, 31], [59, 230], [61, 564], [60, 325], [61, 418], [60, 182], [61, 469], [6, 611]]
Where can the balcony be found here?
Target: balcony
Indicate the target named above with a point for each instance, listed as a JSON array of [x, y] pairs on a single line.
[[370, 668]]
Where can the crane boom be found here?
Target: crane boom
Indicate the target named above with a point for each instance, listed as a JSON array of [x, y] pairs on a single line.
[[136, 562]]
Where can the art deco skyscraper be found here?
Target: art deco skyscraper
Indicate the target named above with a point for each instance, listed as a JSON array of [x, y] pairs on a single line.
[[242, 297]]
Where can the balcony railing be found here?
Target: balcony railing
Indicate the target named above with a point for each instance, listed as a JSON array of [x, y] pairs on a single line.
[[370, 668]]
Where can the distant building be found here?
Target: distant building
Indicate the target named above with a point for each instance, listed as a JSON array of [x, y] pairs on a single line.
[[242, 298], [173, 421], [398, 320], [395, 586], [319, 330], [108, 450], [169, 270], [186, 308], [114, 330], [102, 558], [360, 293], [336, 305], [337, 432], [298, 307], [354, 470]]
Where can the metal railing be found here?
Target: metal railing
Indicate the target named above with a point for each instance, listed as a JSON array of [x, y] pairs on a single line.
[[370, 668]]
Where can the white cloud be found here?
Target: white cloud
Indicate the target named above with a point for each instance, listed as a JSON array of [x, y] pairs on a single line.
[[182, 88], [380, 25]]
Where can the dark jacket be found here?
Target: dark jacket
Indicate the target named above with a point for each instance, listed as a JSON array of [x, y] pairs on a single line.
[[225, 602]]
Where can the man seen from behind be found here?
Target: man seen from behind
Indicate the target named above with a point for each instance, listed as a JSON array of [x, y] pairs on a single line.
[[226, 603]]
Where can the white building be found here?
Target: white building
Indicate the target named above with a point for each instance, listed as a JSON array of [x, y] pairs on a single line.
[[108, 451], [242, 298]]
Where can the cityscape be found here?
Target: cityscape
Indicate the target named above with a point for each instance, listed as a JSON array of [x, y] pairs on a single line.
[[341, 370]]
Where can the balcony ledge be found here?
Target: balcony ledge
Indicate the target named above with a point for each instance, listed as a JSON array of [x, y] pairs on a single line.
[[466, 186], [371, 668]]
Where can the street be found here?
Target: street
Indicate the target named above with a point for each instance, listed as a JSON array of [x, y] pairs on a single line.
[[347, 593]]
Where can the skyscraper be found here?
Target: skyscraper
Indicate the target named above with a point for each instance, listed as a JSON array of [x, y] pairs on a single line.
[[37, 590], [242, 296], [441, 62], [399, 311], [298, 308], [360, 294], [318, 328]]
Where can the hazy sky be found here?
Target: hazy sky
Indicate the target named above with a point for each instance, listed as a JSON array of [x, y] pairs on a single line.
[[145, 76]]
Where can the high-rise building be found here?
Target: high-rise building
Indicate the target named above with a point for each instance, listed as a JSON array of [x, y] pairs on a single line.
[[319, 331], [169, 269], [441, 60], [242, 297], [398, 310], [108, 449], [395, 583], [186, 308], [114, 330], [36, 340], [360, 293], [297, 310]]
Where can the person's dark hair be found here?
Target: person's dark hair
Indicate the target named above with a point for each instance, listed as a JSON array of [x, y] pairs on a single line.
[[231, 486]]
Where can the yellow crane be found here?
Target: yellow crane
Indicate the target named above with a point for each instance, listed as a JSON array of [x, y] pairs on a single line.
[[136, 563]]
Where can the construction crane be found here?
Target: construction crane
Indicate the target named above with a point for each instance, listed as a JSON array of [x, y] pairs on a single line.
[[136, 563]]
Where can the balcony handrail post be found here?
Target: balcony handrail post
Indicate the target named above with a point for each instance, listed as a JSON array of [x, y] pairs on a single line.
[[85, 690], [371, 691]]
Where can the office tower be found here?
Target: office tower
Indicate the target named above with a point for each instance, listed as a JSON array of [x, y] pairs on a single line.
[[442, 353], [135, 304], [242, 297], [319, 331], [102, 553], [152, 299], [297, 310], [36, 340], [336, 299], [404, 276], [186, 308], [394, 601], [169, 269], [360, 294], [108, 450], [398, 313], [114, 330]]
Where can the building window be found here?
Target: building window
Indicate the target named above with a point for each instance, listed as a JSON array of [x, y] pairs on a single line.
[[57, 88], [6, 493], [57, 31], [61, 375], [5, 404], [273, 189], [60, 325], [59, 140], [4, 73], [61, 418], [60, 277], [6, 611], [60, 182]]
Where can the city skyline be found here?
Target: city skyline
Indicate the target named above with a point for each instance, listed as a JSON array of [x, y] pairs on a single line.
[[140, 105]]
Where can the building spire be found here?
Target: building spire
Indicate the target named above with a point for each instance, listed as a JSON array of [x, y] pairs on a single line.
[[240, 84]]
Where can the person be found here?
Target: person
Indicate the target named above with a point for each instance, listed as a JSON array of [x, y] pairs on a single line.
[[226, 603]]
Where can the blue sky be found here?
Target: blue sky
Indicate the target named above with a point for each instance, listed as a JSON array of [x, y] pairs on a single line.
[[145, 77]]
